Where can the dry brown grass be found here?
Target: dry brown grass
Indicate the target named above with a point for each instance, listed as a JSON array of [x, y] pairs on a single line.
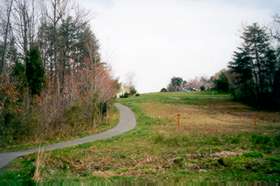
[[114, 161], [215, 118], [38, 163], [158, 147]]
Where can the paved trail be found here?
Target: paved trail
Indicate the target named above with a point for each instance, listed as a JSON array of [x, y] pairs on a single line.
[[127, 122]]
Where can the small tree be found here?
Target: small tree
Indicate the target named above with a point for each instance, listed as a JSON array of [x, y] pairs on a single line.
[[221, 83], [35, 73], [202, 88], [132, 90], [176, 84]]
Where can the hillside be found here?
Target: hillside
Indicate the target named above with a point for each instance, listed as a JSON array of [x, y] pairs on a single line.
[[218, 140]]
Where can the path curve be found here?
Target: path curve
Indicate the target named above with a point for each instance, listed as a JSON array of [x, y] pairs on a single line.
[[126, 123]]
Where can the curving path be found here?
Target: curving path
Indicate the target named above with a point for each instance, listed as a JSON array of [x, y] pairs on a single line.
[[126, 123]]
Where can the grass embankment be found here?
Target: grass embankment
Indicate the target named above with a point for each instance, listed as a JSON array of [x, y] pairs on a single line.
[[78, 127], [217, 141]]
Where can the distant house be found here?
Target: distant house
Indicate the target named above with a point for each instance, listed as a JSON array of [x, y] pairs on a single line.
[[124, 89]]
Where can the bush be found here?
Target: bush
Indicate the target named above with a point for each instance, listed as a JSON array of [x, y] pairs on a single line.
[[9, 124], [10, 112], [125, 95], [137, 95], [276, 140], [202, 88], [163, 90], [253, 154], [260, 140], [132, 91]]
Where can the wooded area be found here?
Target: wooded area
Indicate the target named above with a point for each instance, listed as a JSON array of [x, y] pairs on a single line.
[[50, 66], [255, 68]]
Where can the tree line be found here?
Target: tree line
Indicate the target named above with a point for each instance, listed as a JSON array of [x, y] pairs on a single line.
[[49, 64], [253, 75]]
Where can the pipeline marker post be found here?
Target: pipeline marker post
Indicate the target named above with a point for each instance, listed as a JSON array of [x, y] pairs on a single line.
[[255, 120], [178, 119]]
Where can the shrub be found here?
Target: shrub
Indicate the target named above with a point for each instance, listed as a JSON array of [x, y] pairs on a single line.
[[253, 154], [163, 90], [232, 139], [125, 95], [260, 140], [276, 140], [132, 91], [10, 112], [202, 88]]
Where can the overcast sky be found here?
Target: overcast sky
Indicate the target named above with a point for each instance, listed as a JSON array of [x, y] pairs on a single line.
[[155, 40]]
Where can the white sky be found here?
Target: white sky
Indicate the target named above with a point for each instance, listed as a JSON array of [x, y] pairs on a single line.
[[158, 39]]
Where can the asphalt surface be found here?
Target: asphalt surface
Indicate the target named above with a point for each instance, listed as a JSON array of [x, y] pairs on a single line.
[[126, 123]]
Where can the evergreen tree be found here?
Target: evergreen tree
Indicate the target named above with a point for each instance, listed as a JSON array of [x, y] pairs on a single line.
[[276, 85], [254, 64], [35, 74], [221, 83], [19, 76]]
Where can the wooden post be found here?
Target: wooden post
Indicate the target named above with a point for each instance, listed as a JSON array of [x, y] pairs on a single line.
[[255, 120], [178, 120]]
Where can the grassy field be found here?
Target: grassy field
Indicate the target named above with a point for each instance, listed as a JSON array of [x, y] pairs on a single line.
[[218, 141]]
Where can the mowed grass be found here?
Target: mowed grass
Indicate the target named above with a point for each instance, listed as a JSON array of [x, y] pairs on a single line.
[[217, 141]]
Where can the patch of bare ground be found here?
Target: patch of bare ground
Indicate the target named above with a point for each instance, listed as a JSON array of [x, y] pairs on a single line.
[[215, 155]]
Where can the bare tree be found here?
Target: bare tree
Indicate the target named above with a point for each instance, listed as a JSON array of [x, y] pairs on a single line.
[[58, 10], [7, 28], [24, 25], [276, 28]]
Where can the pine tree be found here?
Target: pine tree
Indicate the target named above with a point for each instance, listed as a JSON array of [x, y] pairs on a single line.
[[276, 85], [222, 83], [254, 63], [35, 74], [19, 77]]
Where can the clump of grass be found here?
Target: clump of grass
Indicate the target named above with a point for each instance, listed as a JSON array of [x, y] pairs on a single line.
[[260, 139], [173, 140], [276, 140], [159, 139], [266, 143], [253, 154], [19, 176], [236, 139], [273, 164]]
